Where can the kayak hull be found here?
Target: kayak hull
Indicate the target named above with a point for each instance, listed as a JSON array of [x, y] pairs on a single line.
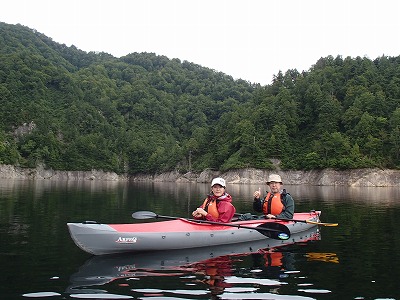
[[102, 269], [101, 239]]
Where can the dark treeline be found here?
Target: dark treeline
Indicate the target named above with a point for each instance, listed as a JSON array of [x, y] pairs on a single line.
[[72, 110]]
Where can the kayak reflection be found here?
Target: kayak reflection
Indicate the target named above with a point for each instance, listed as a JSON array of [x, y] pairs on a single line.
[[215, 262]]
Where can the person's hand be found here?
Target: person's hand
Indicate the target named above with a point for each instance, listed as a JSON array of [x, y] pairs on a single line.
[[195, 214], [269, 216], [199, 212], [257, 194]]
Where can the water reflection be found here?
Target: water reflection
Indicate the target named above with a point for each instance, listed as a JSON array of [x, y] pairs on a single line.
[[369, 195], [197, 191], [210, 268], [40, 187], [35, 245]]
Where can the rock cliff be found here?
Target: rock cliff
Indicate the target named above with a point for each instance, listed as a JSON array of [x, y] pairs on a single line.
[[328, 177], [13, 172]]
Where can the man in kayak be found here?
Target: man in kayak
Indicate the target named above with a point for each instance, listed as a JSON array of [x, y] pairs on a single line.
[[277, 203], [217, 207]]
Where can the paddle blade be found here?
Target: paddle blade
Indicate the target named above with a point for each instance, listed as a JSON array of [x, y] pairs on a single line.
[[142, 215], [274, 231], [330, 224], [322, 224]]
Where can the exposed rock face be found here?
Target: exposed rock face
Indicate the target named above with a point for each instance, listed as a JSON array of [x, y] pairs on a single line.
[[13, 172], [359, 177]]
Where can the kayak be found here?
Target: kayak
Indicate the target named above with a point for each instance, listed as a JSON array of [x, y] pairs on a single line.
[[102, 269], [179, 233]]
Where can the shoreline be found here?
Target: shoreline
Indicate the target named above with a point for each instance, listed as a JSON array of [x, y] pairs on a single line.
[[327, 177]]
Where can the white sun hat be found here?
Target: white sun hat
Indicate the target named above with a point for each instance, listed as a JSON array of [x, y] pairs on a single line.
[[275, 178], [219, 181]]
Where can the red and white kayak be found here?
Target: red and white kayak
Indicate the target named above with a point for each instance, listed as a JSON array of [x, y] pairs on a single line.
[[102, 269], [179, 233]]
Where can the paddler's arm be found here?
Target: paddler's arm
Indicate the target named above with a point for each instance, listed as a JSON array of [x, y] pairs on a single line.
[[257, 203]]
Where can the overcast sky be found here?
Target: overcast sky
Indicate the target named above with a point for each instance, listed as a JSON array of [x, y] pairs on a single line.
[[249, 39]]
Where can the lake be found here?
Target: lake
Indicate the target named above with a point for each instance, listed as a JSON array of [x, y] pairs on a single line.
[[359, 259]]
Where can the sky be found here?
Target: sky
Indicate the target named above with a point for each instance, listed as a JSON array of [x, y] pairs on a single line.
[[247, 39]]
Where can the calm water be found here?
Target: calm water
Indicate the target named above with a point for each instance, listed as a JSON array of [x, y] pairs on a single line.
[[359, 259]]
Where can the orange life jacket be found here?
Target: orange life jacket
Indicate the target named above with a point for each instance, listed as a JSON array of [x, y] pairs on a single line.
[[210, 206], [273, 205]]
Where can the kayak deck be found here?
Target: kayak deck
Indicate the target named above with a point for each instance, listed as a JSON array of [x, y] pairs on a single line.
[[176, 225]]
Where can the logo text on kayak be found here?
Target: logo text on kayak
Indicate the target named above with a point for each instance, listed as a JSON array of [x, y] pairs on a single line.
[[126, 240]]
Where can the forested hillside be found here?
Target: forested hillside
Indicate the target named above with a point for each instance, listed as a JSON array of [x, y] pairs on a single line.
[[73, 110]]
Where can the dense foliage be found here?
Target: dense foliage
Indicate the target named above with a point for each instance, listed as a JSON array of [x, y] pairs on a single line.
[[72, 110]]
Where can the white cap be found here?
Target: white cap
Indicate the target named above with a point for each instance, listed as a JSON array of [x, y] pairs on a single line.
[[219, 181], [275, 178]]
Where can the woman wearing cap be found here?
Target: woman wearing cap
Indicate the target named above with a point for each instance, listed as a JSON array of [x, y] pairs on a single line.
[[277, 203], [217, 207]]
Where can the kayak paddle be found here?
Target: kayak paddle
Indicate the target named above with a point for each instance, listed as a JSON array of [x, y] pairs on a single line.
[[309, 222], [292, 220], [272, 230]]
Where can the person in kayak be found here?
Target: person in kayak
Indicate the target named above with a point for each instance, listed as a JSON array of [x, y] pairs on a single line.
[[278, 203], [217, 207]]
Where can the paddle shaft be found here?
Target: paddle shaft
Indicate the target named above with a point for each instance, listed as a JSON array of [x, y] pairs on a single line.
[[219, 223], [308, 222], [270, 229], [301, 221]]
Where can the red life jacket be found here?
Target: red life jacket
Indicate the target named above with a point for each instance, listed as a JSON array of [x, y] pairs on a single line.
[[210, 206], [273, 204]]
